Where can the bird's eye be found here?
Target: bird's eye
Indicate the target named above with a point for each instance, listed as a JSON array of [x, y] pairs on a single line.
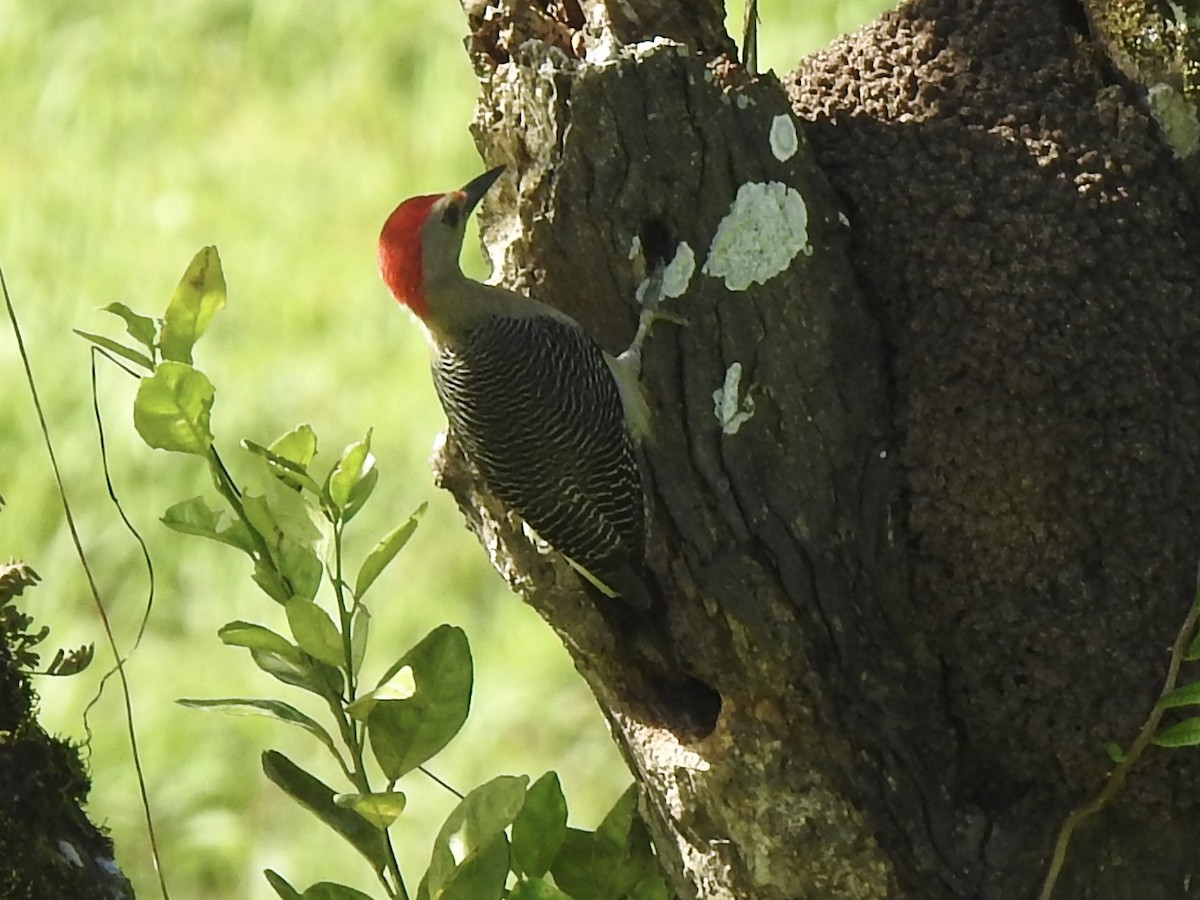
[[451, 215]]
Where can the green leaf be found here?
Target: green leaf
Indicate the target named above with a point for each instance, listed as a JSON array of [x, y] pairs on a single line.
[[272, 709], [127, 353], [71, 662], [281, 513], [292, 554], [1193, 650], [641, 869], [585, 865], [197, 298], [612, 861], [1184, 695], [380, 809], [652, 887], [405, 733], [385, 551], [196, 517], [280, 885], [472, 829], [141, 328], [615, 826], [352, 478], [1114, 751], [301, 566], [331, 890], [314, 631], [1181, 734], [271, 580], [400, 686], [480, 876], [324, 890], [540, 828], [172, 409], [291, 473], [258, 637], [317, 677], [315, 796], [361, 492], [623, 828], [297, 446], [360, 628], [536, 889]]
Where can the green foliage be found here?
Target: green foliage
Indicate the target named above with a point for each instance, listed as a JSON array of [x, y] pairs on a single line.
[[385, 551], [317, 797], [408, 732], [419, 703], [1181, 734], [199, 296], [541, 826], [613, 861], [324, 890], [1186, 695], [16, 626], [1192, 654], [1186, 732], [173, 407], [470, 853]]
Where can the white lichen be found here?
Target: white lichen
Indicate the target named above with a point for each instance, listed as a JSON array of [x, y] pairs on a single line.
[[731, 411], [645, 48], [604, 52], [676, 275], [107, 864], [764, 230], [604, 48], [68, 852], [679, 270], [784, 141]]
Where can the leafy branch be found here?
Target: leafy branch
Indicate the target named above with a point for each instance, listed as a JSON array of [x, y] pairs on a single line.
[[293, 529]]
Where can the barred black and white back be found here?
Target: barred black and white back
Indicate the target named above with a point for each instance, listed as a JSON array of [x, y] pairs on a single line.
[[536, 408]]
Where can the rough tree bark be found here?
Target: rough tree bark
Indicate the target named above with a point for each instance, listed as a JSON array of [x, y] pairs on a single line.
[[48, 847], [910, 596]]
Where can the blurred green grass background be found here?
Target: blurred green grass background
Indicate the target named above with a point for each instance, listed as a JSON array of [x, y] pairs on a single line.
[[134, 133]]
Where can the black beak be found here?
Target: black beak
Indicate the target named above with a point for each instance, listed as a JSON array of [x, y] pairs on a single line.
[[477, 187]]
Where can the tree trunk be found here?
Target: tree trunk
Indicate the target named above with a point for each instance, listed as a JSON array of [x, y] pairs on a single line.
[[926, 557], [48, 848]]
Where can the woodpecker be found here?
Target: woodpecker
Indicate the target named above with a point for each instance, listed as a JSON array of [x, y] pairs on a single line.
[[548, 418]]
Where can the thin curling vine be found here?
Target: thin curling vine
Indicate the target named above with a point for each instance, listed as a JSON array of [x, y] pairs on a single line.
[[506, 838]]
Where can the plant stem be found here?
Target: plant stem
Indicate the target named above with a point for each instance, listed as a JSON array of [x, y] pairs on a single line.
[[444, 784], [228, 490], [352, 734], [345, 614], [93, 589]]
